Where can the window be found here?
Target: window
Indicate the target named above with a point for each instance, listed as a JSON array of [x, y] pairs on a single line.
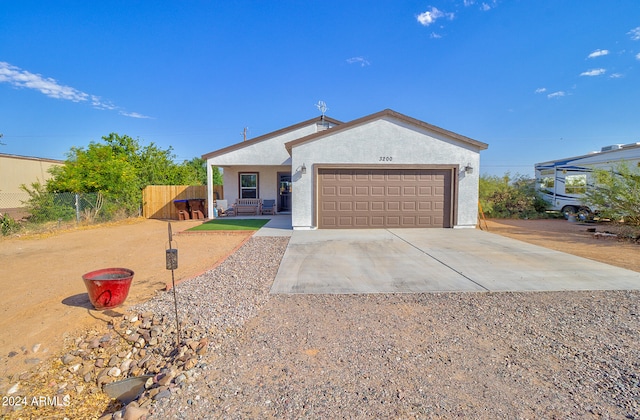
[[547, 179], [575, 184], [249, 185], [547, 183]]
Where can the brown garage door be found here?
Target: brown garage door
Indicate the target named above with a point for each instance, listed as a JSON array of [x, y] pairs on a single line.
[[384, 198]]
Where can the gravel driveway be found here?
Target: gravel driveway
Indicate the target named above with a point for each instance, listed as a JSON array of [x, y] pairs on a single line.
[[479, 355]]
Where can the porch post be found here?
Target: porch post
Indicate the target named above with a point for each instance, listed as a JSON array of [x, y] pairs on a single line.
[[209, 191]]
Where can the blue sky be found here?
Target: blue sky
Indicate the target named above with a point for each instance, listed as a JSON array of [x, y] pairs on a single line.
[[535, 79]]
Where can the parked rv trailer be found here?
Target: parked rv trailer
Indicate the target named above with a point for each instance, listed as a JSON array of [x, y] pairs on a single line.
[[563, 182]]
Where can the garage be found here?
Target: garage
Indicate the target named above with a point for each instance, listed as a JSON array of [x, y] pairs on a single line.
[[368, 198]]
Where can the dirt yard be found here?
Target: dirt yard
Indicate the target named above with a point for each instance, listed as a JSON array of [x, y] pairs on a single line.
[[572, 238], [44, 297]]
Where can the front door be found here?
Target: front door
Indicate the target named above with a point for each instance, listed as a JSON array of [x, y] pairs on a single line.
[[284, 192]]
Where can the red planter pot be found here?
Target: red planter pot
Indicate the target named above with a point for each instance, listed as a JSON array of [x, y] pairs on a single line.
[[108, 287]]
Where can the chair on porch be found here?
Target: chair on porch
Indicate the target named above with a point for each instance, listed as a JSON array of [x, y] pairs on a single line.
[[223, 209], [269, 207]]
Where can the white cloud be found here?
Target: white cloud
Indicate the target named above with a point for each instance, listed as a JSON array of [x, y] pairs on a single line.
[[598, 53], [638, 56], [47, 86], [435, 35], [593, 72], [52, 88], [616, 75], [430, 16], [557, 94], [359, 60], [135, 115], [485, 7], [634, 34], [468, 3], [541, 90]]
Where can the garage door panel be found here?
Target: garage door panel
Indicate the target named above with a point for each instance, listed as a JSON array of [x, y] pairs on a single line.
[[362, 190], [362, 206], [377, 191], [425, 206], [425, 191], [393, 205], [329, 206], [345, 191], [329, 191], [393, 220], [378, 198], [393, 191], [345, 206], [409, 206], [409, 191], [377, 206]]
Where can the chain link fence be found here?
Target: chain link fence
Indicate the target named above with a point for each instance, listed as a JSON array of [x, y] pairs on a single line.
[[52, 206]]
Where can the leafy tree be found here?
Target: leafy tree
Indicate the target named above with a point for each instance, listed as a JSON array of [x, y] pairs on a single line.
[[120, 168], [194, 171], [111, 168], [616, 194], [510, 197]]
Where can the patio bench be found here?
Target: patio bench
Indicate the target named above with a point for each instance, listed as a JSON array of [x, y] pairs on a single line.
[[248, 206]]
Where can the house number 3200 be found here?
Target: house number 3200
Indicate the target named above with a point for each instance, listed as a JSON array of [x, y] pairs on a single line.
[[385, 159]]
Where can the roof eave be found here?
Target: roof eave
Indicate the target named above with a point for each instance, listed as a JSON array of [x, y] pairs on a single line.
[[386, 113], [267, 136]]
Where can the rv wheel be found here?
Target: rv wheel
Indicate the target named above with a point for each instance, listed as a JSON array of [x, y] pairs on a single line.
[[584, 214], [568, 211]]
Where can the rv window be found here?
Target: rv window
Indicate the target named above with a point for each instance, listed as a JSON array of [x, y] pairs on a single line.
[[547, 182], [575, 184]]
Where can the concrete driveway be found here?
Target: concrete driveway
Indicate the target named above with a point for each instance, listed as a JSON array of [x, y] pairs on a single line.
[[434, 260]]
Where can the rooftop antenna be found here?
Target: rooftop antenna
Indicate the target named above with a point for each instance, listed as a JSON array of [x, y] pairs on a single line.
[[322, 107], [244, 133]]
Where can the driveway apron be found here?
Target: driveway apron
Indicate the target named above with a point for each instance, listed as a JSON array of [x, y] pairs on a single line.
[[434, 260]]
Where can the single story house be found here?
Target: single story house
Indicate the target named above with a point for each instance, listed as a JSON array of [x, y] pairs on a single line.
[[384, 170]]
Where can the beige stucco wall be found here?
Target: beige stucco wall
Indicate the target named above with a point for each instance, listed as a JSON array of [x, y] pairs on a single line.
[[18, 170]]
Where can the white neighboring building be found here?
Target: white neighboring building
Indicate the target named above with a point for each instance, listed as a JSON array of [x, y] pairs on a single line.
[[385, 170]]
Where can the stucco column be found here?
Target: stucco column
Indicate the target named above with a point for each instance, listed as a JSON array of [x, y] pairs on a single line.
[[209, 191]]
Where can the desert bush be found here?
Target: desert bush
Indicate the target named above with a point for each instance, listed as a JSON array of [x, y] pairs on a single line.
[[8, 225], [615, 194], [510, 197], [44, 207]]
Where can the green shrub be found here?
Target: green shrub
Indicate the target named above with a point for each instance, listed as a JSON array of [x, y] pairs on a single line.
[[507, 197], [616, 194], [44, 206], [8, 225]]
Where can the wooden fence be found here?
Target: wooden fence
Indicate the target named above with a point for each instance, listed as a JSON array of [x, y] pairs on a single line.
[[157, 200]]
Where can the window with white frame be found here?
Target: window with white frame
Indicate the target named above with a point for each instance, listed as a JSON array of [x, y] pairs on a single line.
[[249, 185]]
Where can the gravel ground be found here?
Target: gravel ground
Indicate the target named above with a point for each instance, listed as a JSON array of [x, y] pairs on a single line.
[[478, 355]]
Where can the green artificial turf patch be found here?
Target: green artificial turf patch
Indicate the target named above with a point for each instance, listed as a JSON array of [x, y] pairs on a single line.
[[231, 224]]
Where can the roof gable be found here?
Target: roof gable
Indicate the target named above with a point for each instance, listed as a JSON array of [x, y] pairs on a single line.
[[269, 136], [387, 113]]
